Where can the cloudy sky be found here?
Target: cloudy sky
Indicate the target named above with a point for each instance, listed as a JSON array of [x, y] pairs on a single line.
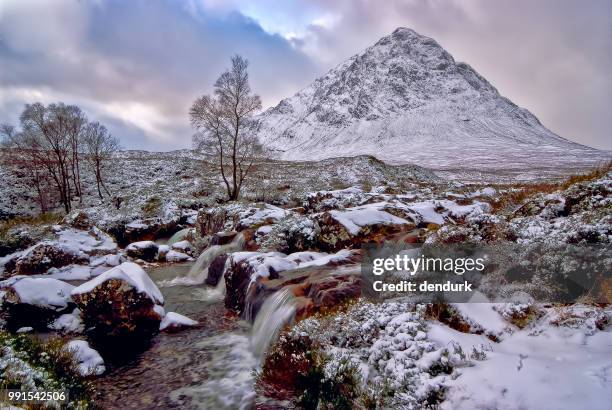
[[137, 65]]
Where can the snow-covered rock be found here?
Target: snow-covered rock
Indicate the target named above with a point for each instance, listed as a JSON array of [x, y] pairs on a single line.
[[183, 247], [47, 293], [68, 323], [173, 321], [34, 301], [45, 255], [145, 250], [174, 256], [120, 303], [89, 360]]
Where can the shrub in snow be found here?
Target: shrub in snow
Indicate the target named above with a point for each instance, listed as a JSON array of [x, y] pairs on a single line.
[[520, 315], [379, 352], [293, 233], [120, 303], [327, 200], [30, 364]]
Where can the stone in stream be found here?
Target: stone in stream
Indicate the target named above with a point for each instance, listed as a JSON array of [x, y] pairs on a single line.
[[223, 238], [145, 250], [319, 278], [215, 269], [120, 304]]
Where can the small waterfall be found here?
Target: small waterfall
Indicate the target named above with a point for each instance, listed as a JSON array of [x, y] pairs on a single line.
[[277, 311], [209, 294], [199, 271], [236, 356], [178, 236]]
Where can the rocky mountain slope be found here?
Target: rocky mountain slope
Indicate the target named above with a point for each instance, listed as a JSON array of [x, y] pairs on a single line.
[[406, 100]]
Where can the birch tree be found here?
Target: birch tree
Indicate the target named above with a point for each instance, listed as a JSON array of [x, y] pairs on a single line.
[[223, 121]]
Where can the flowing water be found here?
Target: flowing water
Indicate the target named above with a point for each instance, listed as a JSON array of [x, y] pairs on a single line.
[[211, 366], [178, 236], [199, 270]]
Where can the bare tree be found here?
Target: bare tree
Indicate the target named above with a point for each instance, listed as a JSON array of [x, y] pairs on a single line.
[[100, 146], [17, 154], [76, 123], [223, 121]]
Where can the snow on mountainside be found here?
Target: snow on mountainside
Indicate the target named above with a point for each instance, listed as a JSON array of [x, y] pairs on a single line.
[[406, 100]]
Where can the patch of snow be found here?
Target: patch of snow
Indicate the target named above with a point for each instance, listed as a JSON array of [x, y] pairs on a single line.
[[70, 272], [141, 245], [353, 219], [26, 329]]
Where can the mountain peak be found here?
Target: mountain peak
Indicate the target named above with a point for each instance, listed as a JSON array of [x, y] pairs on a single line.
[[405, 99]]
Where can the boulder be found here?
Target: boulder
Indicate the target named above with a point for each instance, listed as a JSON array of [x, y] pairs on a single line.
[[183, 247], [145, 250], [120, 304], [174, 322], [215, 269], [223, 238], [8, 263], [174, 256], [143, 230], [252, 276], [35, 301], [353, 227], [44, 255]]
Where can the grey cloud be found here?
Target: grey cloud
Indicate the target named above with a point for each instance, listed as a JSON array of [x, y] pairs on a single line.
[[145, 58], [150, 59]]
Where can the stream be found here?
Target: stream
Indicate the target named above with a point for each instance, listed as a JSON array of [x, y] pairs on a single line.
[[210, 366]]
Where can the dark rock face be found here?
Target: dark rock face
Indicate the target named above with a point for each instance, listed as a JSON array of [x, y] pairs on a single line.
[[237, 279], [215, 270], [44, 256], [145, 250], [223, 238], [146, 230], [115, 310]]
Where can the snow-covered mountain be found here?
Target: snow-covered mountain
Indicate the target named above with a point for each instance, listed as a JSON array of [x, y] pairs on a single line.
[[406, 100]]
